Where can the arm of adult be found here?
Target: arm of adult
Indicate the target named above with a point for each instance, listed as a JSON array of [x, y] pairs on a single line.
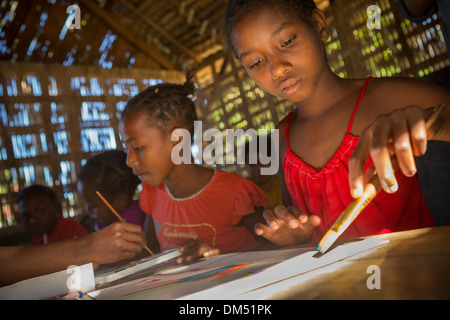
[[116, 242]]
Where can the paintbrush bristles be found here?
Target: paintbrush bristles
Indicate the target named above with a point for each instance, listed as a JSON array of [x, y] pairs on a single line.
[[327, 241]]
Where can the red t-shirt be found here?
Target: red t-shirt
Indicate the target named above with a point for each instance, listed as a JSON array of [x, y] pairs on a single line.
[[65, 228], [210, 216]]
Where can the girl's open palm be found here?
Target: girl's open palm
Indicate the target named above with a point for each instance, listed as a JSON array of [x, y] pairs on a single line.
[[286, 226]]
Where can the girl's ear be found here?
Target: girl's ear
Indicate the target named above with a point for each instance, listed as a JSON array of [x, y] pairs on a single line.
[[320, 24]]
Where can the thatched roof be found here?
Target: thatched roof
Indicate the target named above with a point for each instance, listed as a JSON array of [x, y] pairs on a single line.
[[168, 34]]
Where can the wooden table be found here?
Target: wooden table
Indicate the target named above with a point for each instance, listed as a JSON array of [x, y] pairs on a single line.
[[409, 265], [413, 265]]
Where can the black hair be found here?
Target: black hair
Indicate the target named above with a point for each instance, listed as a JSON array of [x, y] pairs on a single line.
[[109, 174], [167, 105], [237, 9], [41, 190]]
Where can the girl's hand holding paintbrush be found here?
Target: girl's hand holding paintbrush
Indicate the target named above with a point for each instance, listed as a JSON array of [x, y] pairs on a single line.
[[403, 133]]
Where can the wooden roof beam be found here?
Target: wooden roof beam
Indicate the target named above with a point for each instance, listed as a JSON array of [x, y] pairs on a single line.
[[192, 20], [160, 30], [130, 36]]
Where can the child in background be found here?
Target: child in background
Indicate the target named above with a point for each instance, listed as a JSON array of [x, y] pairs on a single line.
[[198, 209], [326, 142], [40, 212], [269, 184], [109, 174]]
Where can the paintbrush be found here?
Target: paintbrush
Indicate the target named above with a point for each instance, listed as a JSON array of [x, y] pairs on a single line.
[[116, 214], [370, 191]]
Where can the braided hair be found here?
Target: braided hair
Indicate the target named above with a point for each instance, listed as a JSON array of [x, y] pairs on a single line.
[[167, 105], [237, 9], [108, 173]]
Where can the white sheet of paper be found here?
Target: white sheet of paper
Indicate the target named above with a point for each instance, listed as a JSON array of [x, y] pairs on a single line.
[[134, 267], [184, 280], [233, 275], [51, 285], [299, 265]]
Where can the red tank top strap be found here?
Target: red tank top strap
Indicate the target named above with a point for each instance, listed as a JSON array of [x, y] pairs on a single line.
[[350, 123]]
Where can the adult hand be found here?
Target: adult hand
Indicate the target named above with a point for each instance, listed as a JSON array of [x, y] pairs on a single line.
[[116, 242]]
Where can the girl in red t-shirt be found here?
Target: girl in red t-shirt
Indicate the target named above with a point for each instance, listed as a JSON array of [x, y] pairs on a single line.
[[199, 209]]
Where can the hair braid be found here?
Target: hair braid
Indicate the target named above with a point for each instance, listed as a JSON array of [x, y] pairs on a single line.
[[166, 105]]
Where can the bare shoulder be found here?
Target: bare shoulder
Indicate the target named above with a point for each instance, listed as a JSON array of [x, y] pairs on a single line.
[[383, 95], [400, 92]]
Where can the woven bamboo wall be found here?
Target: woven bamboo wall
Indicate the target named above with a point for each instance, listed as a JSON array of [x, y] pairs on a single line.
[[53, 117], [229, 98]]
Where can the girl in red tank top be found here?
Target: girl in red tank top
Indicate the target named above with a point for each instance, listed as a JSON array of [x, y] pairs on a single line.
[[325, 192], [279, 43]]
